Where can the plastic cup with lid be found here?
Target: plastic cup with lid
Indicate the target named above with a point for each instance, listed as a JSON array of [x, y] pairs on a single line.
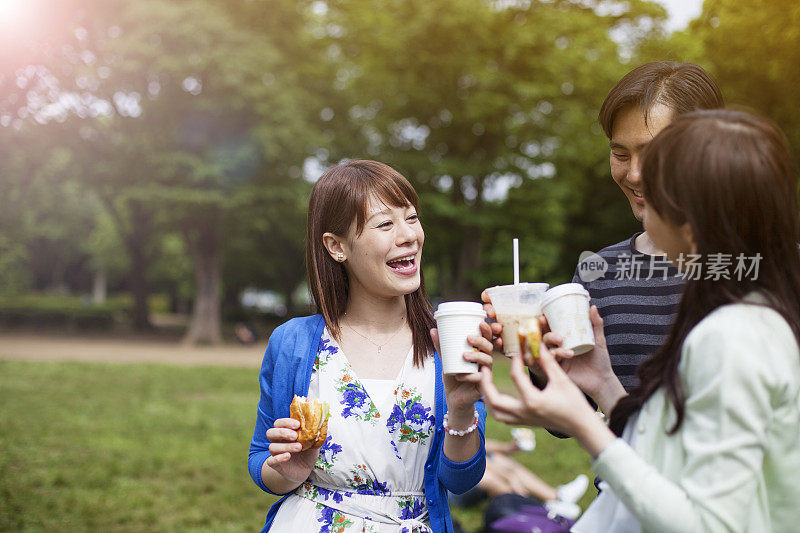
[[514, 305]]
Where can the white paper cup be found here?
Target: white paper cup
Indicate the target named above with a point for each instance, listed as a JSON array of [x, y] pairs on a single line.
[[456, 320], [566, 308], [514, 305]]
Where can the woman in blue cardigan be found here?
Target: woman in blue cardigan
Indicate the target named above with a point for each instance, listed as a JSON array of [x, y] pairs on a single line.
[[400, 433]]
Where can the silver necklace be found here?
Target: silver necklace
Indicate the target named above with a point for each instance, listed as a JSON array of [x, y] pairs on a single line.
[[372, 341]]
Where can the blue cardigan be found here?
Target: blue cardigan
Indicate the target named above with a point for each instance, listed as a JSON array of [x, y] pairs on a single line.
[[286, 371]]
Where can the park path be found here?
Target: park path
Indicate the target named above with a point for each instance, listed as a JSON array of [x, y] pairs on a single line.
[[33, 347]]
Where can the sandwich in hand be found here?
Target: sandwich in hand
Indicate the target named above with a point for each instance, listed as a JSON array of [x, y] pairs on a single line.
[[530, 336], [313, 417]]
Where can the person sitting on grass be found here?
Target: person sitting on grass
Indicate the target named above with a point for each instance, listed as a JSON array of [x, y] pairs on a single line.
[[509, 484]]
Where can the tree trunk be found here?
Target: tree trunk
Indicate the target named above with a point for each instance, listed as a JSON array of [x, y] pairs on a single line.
[[59, 278], [99, 290], [134, 235], [205, 248], [140, 289], [135, 242]]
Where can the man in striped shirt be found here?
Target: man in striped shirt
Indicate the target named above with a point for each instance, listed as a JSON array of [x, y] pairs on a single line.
[[637, 298], [638, 295]]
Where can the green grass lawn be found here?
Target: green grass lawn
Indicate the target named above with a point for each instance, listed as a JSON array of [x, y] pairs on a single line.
[[91, 447]]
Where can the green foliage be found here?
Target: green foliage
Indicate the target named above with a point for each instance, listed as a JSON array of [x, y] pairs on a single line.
[[44, 212], [73, 312], [472, 99], [200, 106], [45, 310], [156, 303], [267, 236], [106, 249], [488, 107], [171, 267], [14, 259], [760, 71], [752, 50]]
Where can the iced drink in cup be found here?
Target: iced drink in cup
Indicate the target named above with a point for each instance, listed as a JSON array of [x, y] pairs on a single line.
[[566, 308], [456, 320], [515, 305]]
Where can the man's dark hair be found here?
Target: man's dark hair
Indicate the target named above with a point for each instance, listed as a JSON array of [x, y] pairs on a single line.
[[682, 87]]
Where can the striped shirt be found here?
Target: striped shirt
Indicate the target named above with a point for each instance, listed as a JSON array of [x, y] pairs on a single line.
[[637, 297]]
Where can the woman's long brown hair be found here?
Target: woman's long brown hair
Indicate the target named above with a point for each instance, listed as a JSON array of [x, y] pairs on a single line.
[[340, 197], [729, 175]]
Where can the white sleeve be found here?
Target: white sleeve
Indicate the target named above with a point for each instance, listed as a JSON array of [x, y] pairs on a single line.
[[729, 382]]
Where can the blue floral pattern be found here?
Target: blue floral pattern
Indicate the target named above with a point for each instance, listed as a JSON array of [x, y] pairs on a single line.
[[332, 520], [318, 493], [410, 507], [410, 417], [326, 349], [362, 482], [327, 454], [355, 399], [356, 476]]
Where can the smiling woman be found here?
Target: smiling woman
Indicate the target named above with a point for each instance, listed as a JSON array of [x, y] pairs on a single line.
[[362, 217], [387, 461]]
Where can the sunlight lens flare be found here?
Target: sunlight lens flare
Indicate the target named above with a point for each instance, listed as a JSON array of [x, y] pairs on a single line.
[[10, 10], [22, 22]]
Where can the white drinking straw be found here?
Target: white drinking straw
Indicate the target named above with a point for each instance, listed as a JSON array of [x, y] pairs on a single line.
[[516, 261]]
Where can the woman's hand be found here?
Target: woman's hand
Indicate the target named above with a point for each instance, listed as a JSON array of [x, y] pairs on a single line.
[[461, 393], [463, 390], [287, 459], [560, 406], [590, 371], [496, 327]]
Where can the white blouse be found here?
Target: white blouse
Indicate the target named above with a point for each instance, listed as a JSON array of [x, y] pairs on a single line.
[[734, 464]]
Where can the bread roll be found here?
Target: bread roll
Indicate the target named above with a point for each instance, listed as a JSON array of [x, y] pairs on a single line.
[[313, 417]]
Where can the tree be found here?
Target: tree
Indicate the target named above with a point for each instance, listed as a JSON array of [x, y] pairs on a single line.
[[43, 211], [224, 119], [178, 107], [477, 102], [267, 245], [751, 49]]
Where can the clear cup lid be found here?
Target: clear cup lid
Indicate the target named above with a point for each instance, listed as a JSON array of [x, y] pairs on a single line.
[[520, 298]]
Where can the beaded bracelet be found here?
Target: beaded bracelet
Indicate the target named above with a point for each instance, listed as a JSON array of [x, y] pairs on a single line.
[[463, 432]]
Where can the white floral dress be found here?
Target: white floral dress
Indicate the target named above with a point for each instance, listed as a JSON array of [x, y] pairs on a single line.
[[370, 472]]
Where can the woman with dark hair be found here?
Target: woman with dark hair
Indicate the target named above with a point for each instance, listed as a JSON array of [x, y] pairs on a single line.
[[400, 434], [708, 440]]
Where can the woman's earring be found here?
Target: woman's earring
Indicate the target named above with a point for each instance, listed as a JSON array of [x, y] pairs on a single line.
[[340, 257]]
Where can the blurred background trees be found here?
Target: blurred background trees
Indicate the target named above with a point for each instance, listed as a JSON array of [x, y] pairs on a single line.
[[167, 147]]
